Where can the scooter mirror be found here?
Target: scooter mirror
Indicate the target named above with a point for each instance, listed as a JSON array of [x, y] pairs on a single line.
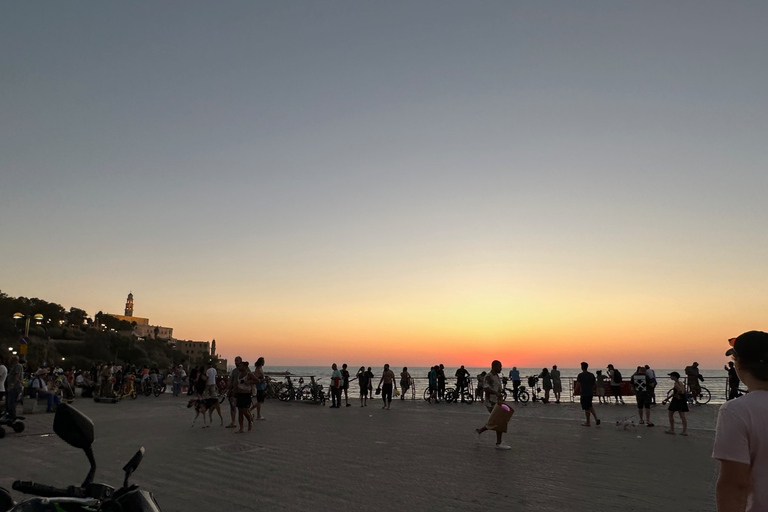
[[134, 462], [74, 427]]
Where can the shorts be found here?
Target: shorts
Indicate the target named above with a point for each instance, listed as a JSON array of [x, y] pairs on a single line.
[[364, 392], [586, 402], [243, 400], [557, 387], [600, 391], [643, 401], [261, 395]]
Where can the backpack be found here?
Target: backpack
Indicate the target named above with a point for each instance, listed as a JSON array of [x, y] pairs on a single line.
[[616, 376]]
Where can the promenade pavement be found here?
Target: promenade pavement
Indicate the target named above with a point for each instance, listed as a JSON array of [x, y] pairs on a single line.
[[415, 456]]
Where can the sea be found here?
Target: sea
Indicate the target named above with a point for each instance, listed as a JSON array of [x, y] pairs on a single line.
[[714, 380]]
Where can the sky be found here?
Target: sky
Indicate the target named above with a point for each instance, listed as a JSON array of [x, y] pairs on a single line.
[[405, 181]]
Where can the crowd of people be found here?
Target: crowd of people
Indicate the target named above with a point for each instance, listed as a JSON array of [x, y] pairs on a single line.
[[741, 435]]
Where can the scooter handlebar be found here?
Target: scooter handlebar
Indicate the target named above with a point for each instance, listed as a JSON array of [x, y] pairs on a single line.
[[46, 491]]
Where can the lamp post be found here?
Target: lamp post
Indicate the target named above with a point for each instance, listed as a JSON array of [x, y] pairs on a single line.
[[38, 319], [23, 343]]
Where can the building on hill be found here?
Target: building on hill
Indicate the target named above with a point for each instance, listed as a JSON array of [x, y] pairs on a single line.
[[142, 328], [196, 351]]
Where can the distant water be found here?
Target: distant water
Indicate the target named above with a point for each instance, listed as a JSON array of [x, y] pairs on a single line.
[[714, 380]]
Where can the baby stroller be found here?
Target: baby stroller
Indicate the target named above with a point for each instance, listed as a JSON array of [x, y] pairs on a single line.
[[533, 385]]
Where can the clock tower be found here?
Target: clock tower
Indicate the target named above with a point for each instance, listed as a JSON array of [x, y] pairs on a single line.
[[129, 305]]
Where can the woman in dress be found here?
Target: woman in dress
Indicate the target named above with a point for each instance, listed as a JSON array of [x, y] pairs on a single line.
[[678, 404], [546, 383]]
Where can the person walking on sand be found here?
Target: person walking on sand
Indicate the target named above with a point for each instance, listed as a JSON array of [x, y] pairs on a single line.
[[557, 384], [501, 413], [678, 404], [741, 437], [641, 385], [386, 383], [337, 381], [405, 382], [615, 377], [345, 384], [586, 381]]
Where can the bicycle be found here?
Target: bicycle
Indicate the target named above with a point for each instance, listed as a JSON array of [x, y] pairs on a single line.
[[522, 392], [702, 399], [312, 391], [464, 395]]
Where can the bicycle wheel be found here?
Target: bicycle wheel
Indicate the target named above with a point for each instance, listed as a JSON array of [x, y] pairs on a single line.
[[156, 390], [147, 390], [449, 395], [286, 394], [523, 396], [133, 395], [467, 397], [426, 394], [704, 397]]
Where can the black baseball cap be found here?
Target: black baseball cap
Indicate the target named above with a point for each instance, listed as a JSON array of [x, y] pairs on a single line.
[[751, 346]]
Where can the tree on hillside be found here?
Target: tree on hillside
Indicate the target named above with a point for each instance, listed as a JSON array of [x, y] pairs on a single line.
[[76, 317]]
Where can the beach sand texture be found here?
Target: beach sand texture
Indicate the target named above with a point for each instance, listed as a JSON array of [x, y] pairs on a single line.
[[416, 456]]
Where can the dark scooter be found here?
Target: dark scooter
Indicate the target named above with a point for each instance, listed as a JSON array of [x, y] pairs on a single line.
[[77, 430], [16, 424]]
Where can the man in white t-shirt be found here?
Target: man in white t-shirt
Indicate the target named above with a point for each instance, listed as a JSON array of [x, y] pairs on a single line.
[[741, 441], [210, 375]]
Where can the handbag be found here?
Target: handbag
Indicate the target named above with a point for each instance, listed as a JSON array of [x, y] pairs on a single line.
[[378, 391]]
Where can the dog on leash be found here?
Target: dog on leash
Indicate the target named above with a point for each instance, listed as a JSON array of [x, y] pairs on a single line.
[[625, 424], [205, 405]]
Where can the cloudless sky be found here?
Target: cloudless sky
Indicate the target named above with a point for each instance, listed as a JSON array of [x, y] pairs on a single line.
[[415, 181]]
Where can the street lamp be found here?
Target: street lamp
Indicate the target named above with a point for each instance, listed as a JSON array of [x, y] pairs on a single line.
[[38, 318]]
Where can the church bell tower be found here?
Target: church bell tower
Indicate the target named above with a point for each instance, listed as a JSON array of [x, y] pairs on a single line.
[[129, 305]]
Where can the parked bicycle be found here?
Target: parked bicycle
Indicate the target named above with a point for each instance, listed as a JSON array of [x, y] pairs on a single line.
[[522, 392], [463, 395], [703, 398]]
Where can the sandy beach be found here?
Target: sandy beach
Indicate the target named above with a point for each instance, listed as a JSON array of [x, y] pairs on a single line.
[[416, 456]]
